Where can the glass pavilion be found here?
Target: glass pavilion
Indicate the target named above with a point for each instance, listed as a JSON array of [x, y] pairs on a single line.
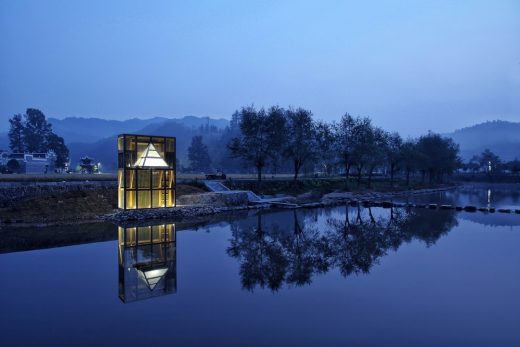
[[146, 171]]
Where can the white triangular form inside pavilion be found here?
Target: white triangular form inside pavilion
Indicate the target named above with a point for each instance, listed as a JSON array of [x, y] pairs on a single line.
[[150, 158], [152, 277]]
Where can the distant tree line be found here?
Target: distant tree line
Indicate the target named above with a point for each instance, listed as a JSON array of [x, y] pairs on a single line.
[[198, 155], [491, 164], [353, 146], [32, 133]]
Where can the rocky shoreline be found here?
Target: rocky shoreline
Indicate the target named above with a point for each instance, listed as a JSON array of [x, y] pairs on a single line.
[[206, 206], [328, 200]]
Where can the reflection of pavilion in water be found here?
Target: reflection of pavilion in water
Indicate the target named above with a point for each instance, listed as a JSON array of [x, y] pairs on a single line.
[[147, 262]]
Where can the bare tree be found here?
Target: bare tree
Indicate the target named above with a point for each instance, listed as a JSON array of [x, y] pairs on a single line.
[[393, 153], [261, 136], [299, 144], [324, 143], [344, 133]]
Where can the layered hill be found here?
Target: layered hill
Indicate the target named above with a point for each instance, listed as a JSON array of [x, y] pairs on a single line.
[[103, 149], [501, 137], [96, 137]]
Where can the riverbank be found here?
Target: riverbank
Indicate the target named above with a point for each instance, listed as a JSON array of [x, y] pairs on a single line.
[[60, 204], [181, 213]]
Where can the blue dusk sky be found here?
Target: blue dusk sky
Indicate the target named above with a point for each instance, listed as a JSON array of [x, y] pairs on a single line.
[[412, 66]]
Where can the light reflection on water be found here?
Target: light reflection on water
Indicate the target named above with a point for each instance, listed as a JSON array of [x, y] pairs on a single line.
[[335, 276], [478, 194]]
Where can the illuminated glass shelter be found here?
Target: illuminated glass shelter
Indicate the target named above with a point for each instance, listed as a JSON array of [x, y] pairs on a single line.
[[147, 262], [146, 171]]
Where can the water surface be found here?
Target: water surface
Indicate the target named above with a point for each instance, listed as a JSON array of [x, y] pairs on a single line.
[[324, 277]]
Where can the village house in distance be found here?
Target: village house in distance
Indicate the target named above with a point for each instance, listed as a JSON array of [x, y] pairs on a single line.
[[28, 163]]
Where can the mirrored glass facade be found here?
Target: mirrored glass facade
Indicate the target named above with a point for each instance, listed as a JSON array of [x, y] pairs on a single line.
[[146, 171]]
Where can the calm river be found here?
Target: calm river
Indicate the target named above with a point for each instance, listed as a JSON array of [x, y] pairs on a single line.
[[323, 277]]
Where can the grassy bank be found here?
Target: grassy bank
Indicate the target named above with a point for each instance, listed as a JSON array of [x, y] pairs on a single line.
[[57, 178], [70, 206]]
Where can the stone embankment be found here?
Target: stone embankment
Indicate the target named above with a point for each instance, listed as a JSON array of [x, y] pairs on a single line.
[[215, 199], [218, 202], [188, 206], [173, 213], [378, 196]]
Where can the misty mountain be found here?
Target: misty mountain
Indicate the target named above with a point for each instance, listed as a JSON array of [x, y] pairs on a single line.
[[196, 122], [501, 137], [104, 150], [90, 130], [97, 137], [77, 129]]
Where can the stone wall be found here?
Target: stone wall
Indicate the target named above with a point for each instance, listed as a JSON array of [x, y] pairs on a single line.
[[14, 191], [215, 199]]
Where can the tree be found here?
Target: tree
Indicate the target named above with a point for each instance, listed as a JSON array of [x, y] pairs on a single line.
[[489, 161], [13, 166], [56, 144], [299, 146], [198, 155], [363, 145], [276, 130], [261, 136], [344, 133], [513, 166], [36, 131], [376, 151], [16, 141], [32, 133], [324, 140], [473, 164], [220, 157], [393, 153], [437, 156], [409, 158]]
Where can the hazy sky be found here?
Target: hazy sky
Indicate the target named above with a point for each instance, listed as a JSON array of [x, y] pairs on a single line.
[[409, 65]]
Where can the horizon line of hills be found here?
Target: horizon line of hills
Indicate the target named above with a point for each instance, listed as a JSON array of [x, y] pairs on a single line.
[[501, 137]]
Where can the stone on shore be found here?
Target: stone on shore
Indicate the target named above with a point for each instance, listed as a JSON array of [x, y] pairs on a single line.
[[446, 207], [387, 204], [215, 199]]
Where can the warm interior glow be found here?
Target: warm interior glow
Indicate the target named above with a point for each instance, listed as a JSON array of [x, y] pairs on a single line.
[[146, 172], [150, 158]]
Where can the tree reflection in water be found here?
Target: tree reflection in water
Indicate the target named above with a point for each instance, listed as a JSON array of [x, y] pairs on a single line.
[[291, 247]]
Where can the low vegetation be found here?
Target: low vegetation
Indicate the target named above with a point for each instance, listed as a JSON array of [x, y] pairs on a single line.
[[70, 206]]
